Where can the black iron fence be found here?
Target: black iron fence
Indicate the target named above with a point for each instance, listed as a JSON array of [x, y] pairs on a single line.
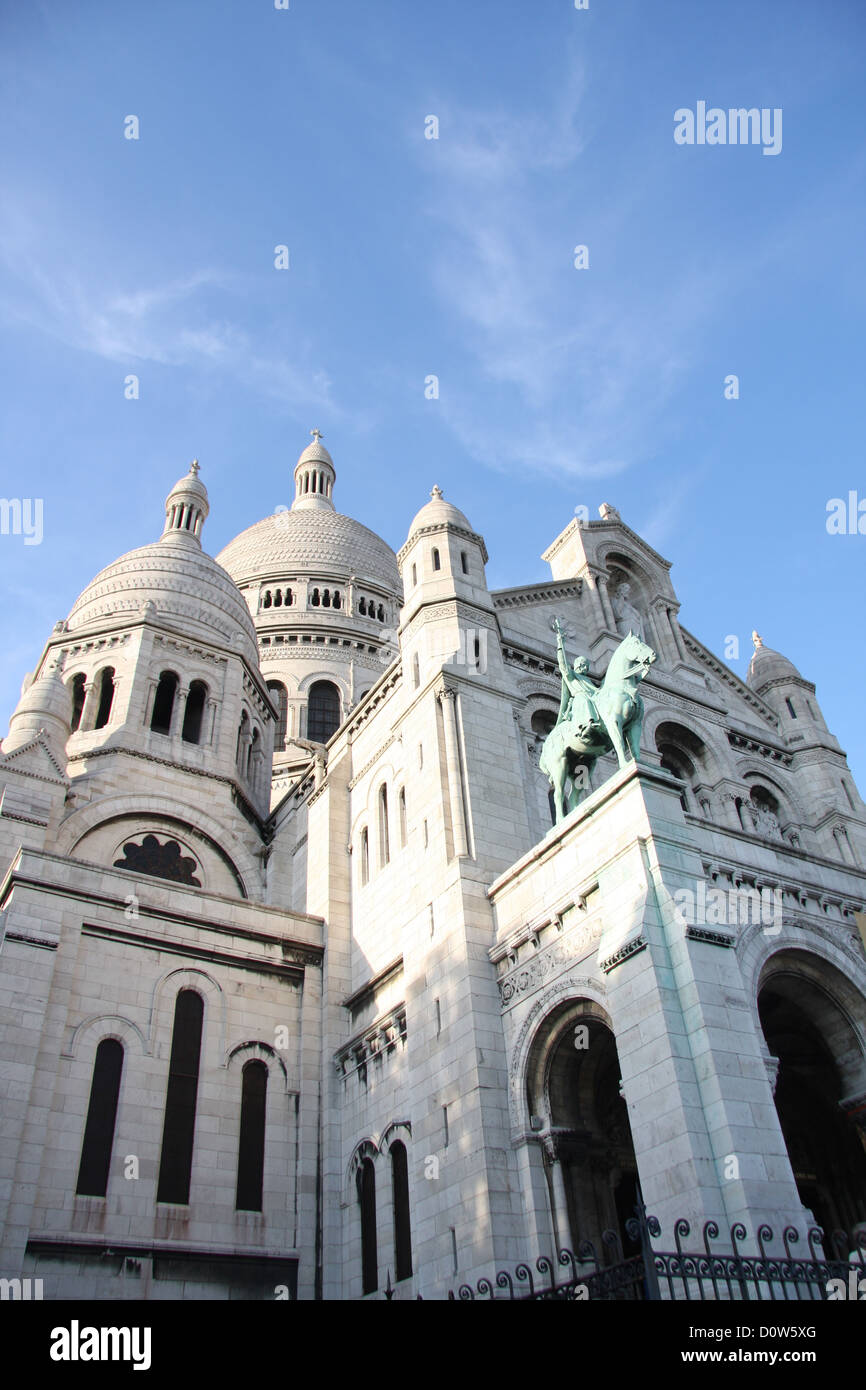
[[603, 1273]]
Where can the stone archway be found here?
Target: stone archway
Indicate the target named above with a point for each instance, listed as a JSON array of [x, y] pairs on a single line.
[[574, 1094], [820, 1089]]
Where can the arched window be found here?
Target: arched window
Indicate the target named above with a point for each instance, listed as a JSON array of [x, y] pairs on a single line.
[[106, 696], [251, 1148], [193, 715], [280, 697], [314, 599], [289, 598], [381, 614], [437, 563], [542, 722], [323, 711], [336, 600], [366, 1180], [404, 832], [175, 1163], [365, 856], [78, 694], [326, 598], [402, 1225], [163, 703], [362, 607], [101, 1115], [278, 598], [267, 600], [242, 751], [384, 837], [255, 758]]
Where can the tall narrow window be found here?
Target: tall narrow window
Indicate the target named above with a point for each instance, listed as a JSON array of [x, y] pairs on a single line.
[[175, 1163], [163, 703], [384, 837], [402, 1225], [464, 564], [367, 1202], [323, 711], [78, 694], [437, 563], [791, 710], [193, 715], [251, 1149], [106, 697], [280, 697], [416, 670], [404, 829], [101, 1115], [365, 856]]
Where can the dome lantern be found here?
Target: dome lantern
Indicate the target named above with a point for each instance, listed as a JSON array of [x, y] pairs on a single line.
[[186, 508], [315, 476]]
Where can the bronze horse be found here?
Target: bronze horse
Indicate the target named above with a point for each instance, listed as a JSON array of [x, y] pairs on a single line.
[[618, 717]]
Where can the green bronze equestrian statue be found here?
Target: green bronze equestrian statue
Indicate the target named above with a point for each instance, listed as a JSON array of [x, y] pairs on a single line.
[[593, 719]]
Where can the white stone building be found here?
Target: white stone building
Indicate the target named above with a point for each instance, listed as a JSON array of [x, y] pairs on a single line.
[[302, 994]]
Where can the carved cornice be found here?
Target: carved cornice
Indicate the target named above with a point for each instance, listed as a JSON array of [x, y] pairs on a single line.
[[371, 762], [711, 938], [536, 593], [375, 1043], [631, 948]]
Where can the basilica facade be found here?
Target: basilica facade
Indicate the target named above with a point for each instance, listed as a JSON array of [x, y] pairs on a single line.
[[309, 989]]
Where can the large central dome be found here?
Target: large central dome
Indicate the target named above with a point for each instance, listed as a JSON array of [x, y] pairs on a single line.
[[312, 538], [310, 541]]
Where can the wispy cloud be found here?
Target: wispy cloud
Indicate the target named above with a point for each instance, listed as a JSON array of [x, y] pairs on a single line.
[[176, 323]]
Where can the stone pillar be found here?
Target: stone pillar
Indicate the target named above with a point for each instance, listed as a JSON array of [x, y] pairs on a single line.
[[591, 578], [604, 597], [448, 700], [90, 707], [559, 1198], [677, 635]]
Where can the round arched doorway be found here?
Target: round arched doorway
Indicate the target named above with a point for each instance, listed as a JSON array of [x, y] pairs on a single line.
[[575, 1093], [804, 1004]]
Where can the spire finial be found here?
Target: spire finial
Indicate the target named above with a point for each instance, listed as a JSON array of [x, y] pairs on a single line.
[[436, 492], [194, 467], [758, 640], [317, 435]]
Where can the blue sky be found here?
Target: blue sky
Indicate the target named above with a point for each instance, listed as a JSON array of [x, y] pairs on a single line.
[[410, 257]]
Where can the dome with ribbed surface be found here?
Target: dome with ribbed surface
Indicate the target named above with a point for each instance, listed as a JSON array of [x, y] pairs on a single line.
[[188, 588], [438, 512], [768, 665], [320, 542]]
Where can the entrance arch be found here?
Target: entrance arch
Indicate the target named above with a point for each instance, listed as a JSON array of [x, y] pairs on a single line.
[[808, 1010], [573, 1091]]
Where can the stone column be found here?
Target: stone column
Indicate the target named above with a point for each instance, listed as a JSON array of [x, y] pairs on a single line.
[[677, 635], [604, 597], [448, 700], [559, 1198], [89, 708], [590, 578]]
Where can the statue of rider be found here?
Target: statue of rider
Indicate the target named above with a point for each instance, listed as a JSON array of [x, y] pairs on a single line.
[[578, 689]]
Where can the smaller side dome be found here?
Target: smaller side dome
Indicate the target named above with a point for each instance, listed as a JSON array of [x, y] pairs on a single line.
[[186, 507], [46, 704], [768, 665], [438, 512]]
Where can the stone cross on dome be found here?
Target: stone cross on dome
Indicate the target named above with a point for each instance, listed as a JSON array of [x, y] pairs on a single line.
[[436, 492], [317, 435]]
